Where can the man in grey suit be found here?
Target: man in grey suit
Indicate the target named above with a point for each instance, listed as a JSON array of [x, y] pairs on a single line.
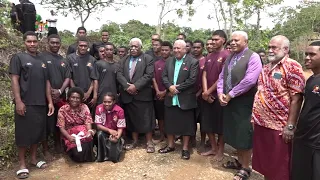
[[135, 75], [179, 77]]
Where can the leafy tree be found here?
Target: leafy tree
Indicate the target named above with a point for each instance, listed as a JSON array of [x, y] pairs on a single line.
[[180, 7], [83, 9]]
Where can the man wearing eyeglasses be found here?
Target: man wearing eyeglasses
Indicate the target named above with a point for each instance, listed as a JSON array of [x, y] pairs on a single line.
[[275, 112]]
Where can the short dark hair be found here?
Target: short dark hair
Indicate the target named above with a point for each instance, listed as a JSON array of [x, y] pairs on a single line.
[[104, 30], [188, 41], [167, 43], [100, 46], [261, 51], [210, 38], [84, 39], [220, 33], [124, 47], [199, 41], [228, 43], [29, 33], [81, 28], [182, 34], [110, 44], [159, 40], [315, 43], [75, 90], [156, 34], [54, 36], [110, 94]]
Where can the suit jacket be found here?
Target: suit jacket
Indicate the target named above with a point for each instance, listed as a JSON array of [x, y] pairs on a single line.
[[187, 79], [142, 78]]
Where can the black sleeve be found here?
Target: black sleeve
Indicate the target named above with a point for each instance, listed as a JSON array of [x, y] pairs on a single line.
[[165, 78], [15, 65], [67, 71], [148, 74], [93, 74], [120, 74]]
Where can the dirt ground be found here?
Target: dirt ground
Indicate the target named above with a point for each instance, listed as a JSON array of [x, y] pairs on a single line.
[[136, 164]]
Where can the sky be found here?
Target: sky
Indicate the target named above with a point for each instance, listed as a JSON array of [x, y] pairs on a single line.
[[148, 12]]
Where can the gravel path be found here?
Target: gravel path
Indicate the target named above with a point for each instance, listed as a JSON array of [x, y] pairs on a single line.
[[136, 164]]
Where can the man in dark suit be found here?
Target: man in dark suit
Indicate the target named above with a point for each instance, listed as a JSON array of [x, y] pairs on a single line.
[[135, 77], [179, 77]]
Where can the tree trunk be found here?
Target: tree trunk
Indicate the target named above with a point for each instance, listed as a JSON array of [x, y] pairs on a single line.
[[159, 26], [81, 19], [223, 14], [231, 19], [258, 23]]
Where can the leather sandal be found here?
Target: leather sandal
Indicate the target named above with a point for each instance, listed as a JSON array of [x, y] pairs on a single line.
[[166, 149]]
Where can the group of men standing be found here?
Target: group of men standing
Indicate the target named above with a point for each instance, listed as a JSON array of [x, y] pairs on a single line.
[[230, 94]]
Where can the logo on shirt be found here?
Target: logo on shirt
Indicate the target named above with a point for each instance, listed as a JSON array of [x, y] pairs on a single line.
[[104, 70], [185, 68], [49, 62], [75, 64], [316, 89], [159, 69], [209, 60], [29, 64], [89, 64], [220, 59], [63, 64], [115, 118], [43, 65]]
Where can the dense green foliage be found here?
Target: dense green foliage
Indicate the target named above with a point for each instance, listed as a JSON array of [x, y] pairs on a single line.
[[300, 24]]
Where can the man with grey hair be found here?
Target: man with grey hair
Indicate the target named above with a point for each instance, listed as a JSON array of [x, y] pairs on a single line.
[[179, 77], [275, 111], [135, 75], [236, 90]]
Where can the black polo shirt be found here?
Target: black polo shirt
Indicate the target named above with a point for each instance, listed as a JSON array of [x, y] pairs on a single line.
[[58, 69], [33, 77], [82, 70], [106, 73], [308, 127]]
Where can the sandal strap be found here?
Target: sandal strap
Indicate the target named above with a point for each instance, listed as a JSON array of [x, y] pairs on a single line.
[[40, 164], [22, 171]]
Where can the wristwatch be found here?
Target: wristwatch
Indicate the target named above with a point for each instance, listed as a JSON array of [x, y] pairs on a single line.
[[290, 127]]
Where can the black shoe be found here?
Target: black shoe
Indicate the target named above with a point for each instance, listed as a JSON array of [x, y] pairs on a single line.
[[167, 149], [185, 155]]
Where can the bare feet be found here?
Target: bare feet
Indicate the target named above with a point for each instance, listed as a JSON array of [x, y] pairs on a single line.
[[219, 157], [208, 153]]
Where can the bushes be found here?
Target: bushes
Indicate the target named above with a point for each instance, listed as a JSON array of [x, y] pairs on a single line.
[[7, 143]]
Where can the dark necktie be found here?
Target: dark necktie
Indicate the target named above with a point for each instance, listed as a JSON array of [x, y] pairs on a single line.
[[133, 67]]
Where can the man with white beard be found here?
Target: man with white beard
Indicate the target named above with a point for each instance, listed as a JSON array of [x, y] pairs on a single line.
[[275, 111]]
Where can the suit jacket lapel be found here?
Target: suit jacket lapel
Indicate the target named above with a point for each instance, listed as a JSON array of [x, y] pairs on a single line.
[[183, 65], [171, 70]]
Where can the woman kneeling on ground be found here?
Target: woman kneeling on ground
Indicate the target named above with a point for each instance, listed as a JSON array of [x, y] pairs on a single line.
[[110, 122], [74, 121]]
